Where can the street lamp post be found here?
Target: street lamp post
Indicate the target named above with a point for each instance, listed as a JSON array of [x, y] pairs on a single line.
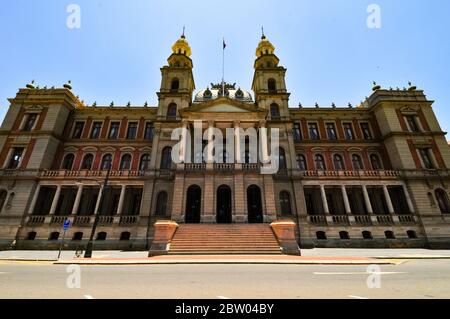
[[90, 244]]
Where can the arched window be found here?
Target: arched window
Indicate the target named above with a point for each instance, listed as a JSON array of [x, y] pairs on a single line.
[[375, 162], [357, 162], [106, 162], [389, 234], [3, 195], [338, 162], [161, 204], [301, 162], [320, 162], [367, 235], [344, 235], [101, 236], [282, 158], [411, 234], [68, 162], [77, 236], [145, 162], [87, 162], [285, 203], [275, 111], [125, 236], [31, 235], [166, 158], [175, 85], [442, 199], [53, 236], [321, 235], [172, 111], [272, 86], [125, 162]]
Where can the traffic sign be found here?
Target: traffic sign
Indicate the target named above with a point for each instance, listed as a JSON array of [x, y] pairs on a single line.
[[66, 224]]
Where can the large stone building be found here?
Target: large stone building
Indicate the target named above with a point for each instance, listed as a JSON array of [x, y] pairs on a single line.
[[374, 175]]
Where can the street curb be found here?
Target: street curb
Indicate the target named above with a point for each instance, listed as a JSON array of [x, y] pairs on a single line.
[[228, 262], [28, 259]]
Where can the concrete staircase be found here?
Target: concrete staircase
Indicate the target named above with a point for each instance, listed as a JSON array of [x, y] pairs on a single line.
[[233, 239]]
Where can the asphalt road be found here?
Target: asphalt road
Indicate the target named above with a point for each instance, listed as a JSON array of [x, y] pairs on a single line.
[[412, 279]]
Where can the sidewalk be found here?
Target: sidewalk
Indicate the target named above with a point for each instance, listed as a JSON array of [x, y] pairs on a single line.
[[313, 256]]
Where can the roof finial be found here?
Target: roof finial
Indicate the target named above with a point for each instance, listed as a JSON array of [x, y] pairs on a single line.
[[183, 35], [263, 36]]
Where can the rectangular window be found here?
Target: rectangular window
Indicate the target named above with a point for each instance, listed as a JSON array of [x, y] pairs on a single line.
[[16, 157], [78, 130], [30, 121], [114, 130], [148, 135], [426, 158], [331, 131], [132, 131], [96, 129], [365, 128], [348, 131], [412, 123], [313, 131], [297, 132]]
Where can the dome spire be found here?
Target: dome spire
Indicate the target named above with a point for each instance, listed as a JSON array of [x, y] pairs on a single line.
[[263, 36], [183, 36]]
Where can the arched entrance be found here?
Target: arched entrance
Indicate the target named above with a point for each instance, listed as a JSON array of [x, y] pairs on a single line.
[[254, 205], [193, 204], [224, 211]]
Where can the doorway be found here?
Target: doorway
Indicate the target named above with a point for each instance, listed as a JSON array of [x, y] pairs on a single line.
[[193, 205], [224, 211], [254, 205]]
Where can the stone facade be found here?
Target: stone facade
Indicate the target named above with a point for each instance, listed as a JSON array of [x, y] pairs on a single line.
[[373, 175]]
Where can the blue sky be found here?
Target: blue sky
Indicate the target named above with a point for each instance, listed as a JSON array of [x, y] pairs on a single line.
[[330, 53]]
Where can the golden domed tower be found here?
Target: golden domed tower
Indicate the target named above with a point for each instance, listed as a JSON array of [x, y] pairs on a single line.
[[177, 84], [269, 82]]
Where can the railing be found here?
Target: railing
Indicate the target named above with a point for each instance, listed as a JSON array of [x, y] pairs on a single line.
[[128, 220], [363, 174], [406, 219], [224, 167], [317, 219], [195, 167], [340, 220], [36, 220], [253, 167], [82, 220], [385, 220], [105, 220], [363, 220], [90, 173], [58, 220]]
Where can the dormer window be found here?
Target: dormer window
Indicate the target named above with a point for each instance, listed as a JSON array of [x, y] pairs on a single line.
[[239, 94], [207, 94]]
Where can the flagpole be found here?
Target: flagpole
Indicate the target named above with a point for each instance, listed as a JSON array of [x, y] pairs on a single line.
[[223, 67]]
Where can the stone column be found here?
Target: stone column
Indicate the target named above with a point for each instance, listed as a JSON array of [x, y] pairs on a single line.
[[55, 200], [121, 200], [155, 148], [210, 157], [183, 148], [348, 209], [367, 199], [323, 193], [387, 196], [264, 141], [237, 142], [34, 200], [77, 202], [408, 199]]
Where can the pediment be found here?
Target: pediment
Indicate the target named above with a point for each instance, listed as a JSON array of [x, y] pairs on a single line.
[[223, 105]]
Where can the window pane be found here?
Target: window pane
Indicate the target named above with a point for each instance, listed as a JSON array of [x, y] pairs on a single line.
[[96, 128], [16, 157], [78, 130], [114, 130], [132, 131]]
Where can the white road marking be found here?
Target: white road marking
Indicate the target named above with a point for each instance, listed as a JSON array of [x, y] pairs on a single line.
[[2, 273], [88, 297], [358, 273], [222, 297], [357, 297]]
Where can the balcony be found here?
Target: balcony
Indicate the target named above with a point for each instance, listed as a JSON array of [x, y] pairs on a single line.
[[361, 220], [82, 221], [349, 174], [90, 174]]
